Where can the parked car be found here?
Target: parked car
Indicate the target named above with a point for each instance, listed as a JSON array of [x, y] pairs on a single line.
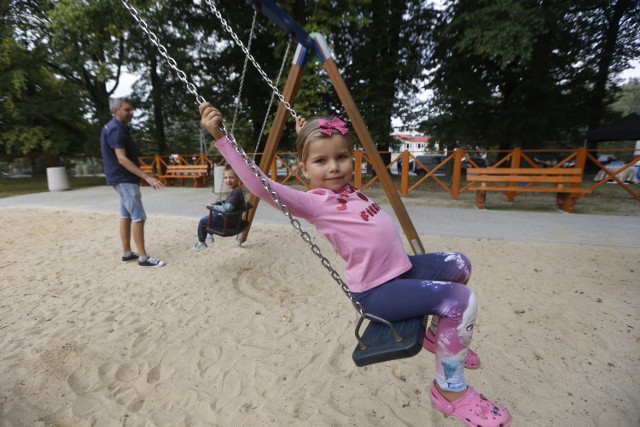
[[544, 163], [606, 158], [430, 161], [630, 175], [479, 161]]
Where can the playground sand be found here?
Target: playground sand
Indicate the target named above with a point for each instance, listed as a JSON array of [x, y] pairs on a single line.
[[261, 335]]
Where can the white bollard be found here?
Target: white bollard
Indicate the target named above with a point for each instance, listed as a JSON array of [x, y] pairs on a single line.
[[219, 187], [57, 179]]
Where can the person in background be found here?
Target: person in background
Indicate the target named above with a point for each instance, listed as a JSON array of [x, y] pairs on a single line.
[[234, 201], [123, 174]]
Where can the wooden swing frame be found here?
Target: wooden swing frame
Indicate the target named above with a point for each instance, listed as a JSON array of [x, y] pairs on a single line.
[[382, 340]]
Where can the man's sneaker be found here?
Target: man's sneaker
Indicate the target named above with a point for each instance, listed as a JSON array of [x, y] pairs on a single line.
[[209, 239], [199, 246], [151, 262], [130, 256]]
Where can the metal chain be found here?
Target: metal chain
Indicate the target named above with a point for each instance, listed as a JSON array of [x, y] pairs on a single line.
[[295, 223], [244, 70], [266, 78], [273, 95], [163, 50]]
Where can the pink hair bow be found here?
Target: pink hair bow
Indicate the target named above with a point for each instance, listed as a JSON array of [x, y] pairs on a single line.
[[327, 127]]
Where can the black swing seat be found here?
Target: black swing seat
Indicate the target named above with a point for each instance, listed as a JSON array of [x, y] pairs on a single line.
[[233, 224], [383, 341]]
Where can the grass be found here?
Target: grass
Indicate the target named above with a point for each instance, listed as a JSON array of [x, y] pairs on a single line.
[[17, 186], [608, 199]]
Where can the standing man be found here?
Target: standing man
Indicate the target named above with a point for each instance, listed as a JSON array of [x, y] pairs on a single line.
[[122, 172]]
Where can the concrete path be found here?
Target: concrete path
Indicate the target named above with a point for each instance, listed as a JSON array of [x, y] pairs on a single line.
[[606, 230]]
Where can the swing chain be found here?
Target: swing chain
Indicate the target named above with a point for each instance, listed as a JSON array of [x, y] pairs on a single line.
[[256, 171], [248, 54], [295, 223], [163, 50], [244, 70], [273, 95]]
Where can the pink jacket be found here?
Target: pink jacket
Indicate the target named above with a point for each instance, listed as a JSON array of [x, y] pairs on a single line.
[[364, 235]]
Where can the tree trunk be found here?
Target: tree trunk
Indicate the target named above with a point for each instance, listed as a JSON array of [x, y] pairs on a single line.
[[156, 100], [606, 58]]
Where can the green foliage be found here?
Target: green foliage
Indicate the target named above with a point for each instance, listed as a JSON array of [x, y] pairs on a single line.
[[502, 72], [39, 111], [503, 31], [628, 100], [521, 73]]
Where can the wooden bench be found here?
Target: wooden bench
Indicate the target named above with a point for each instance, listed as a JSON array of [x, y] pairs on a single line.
[[199, 174], [565, 182]]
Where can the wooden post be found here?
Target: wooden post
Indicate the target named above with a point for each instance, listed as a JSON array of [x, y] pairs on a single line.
[[289, 94], [371, 149], [357, 168], [457, 169], [404, 173], [290, 90], [515, 164]]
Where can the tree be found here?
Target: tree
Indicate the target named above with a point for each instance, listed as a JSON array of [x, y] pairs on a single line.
[[512, 73], [628, 100], [170, 122], [616, 27], [39, 112], [86, 46]]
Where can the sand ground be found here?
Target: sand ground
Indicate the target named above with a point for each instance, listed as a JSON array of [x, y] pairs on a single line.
[[261, 335]]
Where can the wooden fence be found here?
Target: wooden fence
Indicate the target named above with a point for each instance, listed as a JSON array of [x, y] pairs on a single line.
[[285, 170]]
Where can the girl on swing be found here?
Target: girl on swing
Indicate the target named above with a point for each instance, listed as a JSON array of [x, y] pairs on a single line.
[[381, 276]]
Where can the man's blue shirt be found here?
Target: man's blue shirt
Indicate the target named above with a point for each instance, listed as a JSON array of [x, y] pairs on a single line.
[[116, 135]]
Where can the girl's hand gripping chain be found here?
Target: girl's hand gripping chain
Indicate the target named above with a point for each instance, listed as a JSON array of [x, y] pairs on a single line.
[[300, 122], [212, 120]]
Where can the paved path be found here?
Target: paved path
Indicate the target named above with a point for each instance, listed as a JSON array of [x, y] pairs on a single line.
[[607, 230]]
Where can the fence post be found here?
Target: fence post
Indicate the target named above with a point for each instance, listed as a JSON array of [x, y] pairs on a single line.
[[404, 173], [357, 167], [515, 158], [274, 169], [515, 163], [581, 158], [457, 166], [157, 165]]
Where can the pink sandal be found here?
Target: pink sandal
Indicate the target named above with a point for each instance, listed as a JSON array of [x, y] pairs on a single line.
[[429, 343], [473, 409]]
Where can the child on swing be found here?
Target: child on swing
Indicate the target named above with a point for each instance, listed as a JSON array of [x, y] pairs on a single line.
[[381, 276], [234, 201]]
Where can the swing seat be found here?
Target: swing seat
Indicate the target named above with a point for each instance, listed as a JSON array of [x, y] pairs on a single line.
[[233, 224], [383, 341]]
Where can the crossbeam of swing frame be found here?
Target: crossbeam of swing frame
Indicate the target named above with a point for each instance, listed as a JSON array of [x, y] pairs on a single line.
[[317, 41], [279, 17]]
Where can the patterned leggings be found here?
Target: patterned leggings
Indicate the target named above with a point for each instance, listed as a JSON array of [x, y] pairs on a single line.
[[435, 285]]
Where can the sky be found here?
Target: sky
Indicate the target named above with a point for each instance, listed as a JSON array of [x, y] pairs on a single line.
[[128, 79]]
